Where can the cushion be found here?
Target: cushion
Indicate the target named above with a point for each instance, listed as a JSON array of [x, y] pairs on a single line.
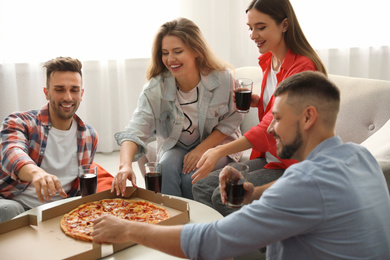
[[364, 107], [104, 179], [379, 145]]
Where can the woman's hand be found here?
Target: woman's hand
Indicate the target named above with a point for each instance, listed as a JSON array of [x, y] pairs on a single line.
[[119, 182], [255, 99], [191, 159], [206, 164]]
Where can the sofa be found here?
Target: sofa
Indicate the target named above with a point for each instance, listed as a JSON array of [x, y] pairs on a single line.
[[364, 116]]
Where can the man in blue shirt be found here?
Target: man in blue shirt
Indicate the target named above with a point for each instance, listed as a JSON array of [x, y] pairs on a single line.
[[334, 204]]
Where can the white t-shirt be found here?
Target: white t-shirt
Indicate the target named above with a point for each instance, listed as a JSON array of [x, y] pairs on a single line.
[[189, 106], [270, 86], [60, 159], [269, 90]]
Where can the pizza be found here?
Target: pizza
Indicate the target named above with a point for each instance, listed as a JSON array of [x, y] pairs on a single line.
[[78, 223]]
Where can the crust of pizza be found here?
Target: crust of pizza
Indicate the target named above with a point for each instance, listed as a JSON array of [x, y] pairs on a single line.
[[78, 223]]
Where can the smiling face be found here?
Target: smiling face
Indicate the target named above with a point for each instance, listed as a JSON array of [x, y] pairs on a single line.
[[265, 32], [286, 130], [64, 94], [178, 58]]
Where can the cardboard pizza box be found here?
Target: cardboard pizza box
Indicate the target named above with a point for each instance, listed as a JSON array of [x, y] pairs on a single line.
[[26, 237]]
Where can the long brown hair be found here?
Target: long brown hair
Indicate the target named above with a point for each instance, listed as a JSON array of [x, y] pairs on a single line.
[[191, 35], [294, 37]]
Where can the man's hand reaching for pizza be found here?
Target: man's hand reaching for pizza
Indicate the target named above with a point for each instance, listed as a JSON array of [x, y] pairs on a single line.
[[46, 185], [110, 229]]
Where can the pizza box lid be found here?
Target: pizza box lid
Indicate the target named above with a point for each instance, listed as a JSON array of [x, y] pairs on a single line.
[[45, 240]]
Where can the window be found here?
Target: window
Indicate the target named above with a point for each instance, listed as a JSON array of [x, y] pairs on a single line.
[[343, 23], [89, 29]]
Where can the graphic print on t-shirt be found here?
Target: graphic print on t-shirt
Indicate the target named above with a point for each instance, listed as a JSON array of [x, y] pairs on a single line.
[[188, 129], [189, 105]]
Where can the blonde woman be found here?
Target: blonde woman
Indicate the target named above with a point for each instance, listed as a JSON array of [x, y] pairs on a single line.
[[187, 105]]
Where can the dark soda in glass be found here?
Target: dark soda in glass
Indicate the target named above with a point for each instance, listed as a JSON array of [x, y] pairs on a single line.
[[235, 192], [243, 99], [88, 184], [153, 181]]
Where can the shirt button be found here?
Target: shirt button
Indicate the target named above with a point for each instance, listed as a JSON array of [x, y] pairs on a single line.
[[371, 127]]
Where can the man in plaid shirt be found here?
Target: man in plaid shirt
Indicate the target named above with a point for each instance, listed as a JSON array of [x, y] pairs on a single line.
[[41, 149]]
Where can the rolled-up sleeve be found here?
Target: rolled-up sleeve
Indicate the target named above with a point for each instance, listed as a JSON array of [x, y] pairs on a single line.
[[14, 145]]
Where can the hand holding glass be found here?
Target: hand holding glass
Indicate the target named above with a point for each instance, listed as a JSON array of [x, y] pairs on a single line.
[[236, 175], [153, 177], [243, 94], [88, 179]]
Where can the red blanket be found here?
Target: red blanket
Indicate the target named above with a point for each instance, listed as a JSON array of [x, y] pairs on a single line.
[[104, 179]]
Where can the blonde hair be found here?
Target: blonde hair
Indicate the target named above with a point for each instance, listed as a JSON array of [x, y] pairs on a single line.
[[294, 37], [191, 35]]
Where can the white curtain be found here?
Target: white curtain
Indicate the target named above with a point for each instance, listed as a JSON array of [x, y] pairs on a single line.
[[113, 40], [362, 62], [110, 96]]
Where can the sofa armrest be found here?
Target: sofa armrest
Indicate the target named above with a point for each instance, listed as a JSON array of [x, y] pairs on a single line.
[[379, 146]]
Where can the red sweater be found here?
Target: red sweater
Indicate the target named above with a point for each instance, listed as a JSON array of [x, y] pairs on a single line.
[[257, 135]]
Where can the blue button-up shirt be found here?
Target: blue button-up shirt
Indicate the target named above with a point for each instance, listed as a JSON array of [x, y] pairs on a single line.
[[333, 205]]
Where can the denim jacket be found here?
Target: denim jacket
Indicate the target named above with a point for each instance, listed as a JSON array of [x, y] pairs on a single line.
[[158, 114]]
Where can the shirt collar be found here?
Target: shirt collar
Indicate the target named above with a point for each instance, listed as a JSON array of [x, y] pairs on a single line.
[[43, 115], [209, 82], [330, 142], [288, 61]]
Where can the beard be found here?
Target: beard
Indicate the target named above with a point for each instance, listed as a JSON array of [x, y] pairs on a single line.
[[61, 114], [288, 151]]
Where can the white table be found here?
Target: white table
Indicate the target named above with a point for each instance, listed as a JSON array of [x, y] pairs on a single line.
[[198, 213]]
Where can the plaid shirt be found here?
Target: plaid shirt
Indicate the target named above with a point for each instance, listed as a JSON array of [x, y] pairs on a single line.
[[23, 141]]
